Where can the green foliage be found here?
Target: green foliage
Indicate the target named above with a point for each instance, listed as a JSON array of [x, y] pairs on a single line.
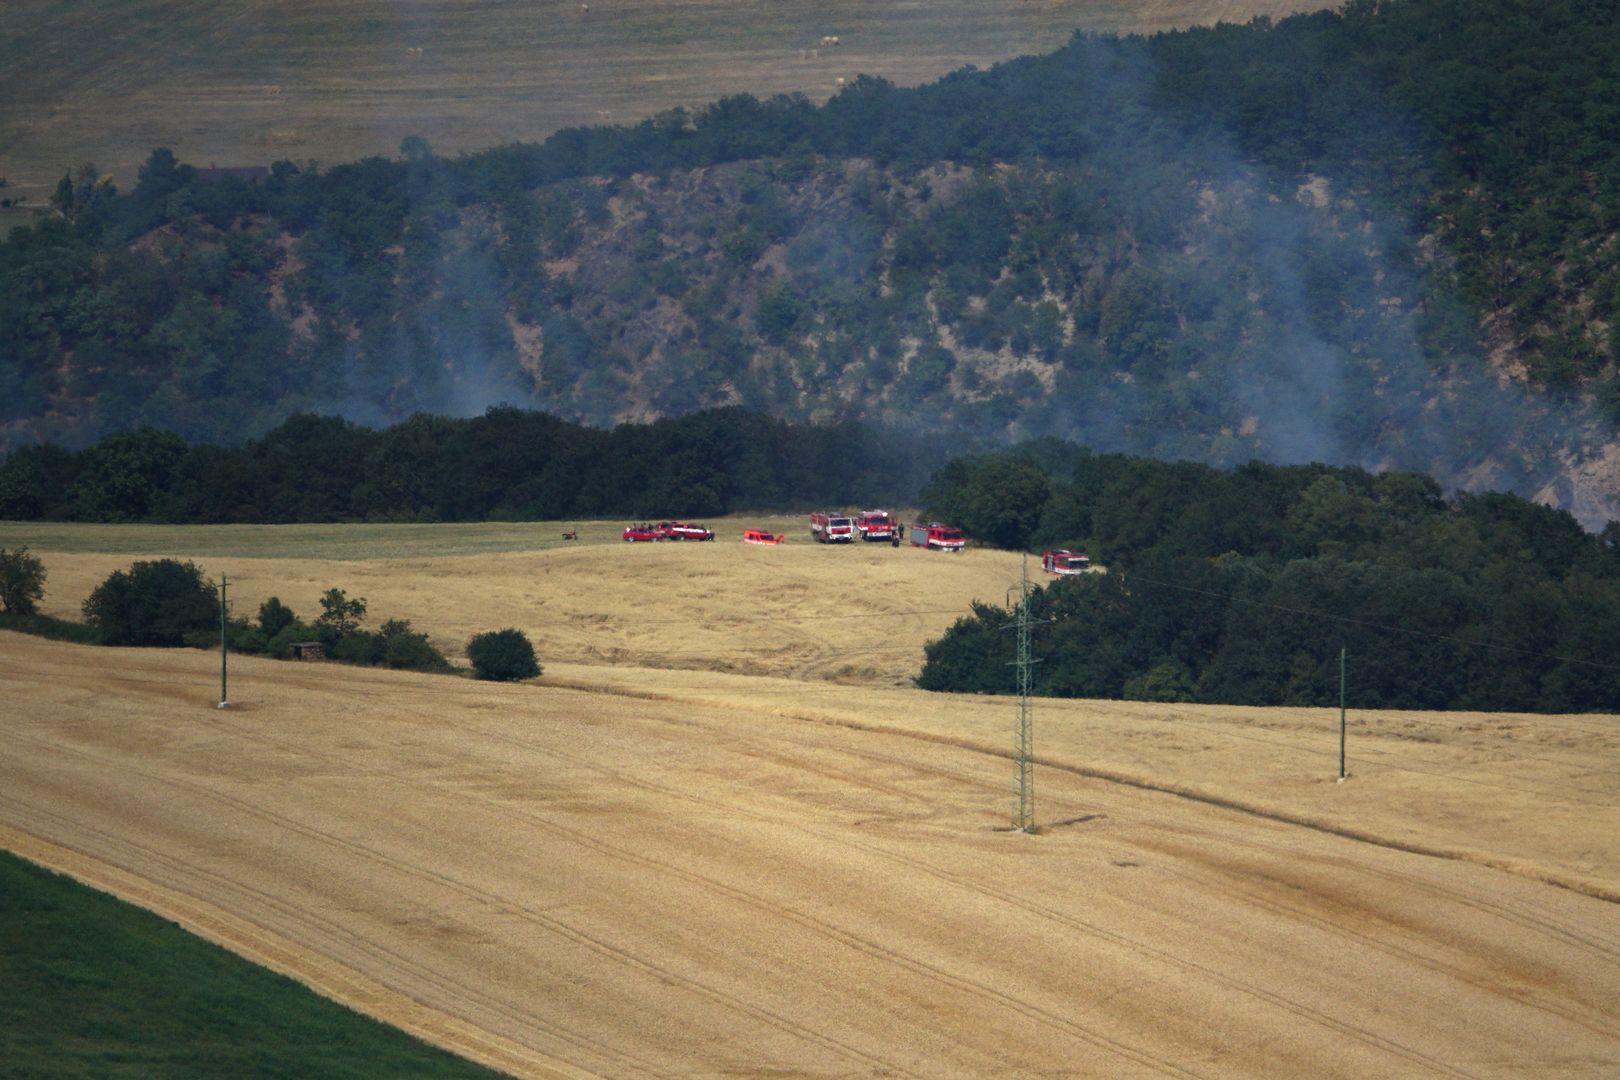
[[395, 645], [339, 615], [22, 582], [47, 626], [124, 477], [1243, 586], [95, 987], [153, 603], [274, 617], [510, 464], [778, 312], [1167, 681], [995, 498], [504, 655]]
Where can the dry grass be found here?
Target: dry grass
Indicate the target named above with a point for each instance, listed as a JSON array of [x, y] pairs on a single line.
[[861, 612], [626, 870], [575, 883], [256, 81]]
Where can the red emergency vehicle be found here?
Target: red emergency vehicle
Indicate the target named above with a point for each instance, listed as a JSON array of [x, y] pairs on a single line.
[[1065, 562], [875, 525], [828, 528], [937, 537]]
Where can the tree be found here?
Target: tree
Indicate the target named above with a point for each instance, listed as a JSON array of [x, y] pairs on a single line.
[[274, 616], [503, 655], [22, 582], [153, 603], [126, 475], [340, 614], [778, 312], [996, 498]]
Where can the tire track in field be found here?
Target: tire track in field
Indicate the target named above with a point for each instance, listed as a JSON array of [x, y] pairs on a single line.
[[1215, 880], [1537, 874], [1540, 926], [468, 891], [1289, 1005], [844, 937], [1601, 948], [1514, 915]]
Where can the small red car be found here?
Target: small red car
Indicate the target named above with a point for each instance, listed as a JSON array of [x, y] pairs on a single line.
[[638, 533]]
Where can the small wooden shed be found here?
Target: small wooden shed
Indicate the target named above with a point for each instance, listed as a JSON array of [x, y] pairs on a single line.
[[307, 650]]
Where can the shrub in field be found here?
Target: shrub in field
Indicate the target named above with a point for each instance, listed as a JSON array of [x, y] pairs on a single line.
[[396, 645], [503, 655], [274, 616], [47, 627], [410, 649], [279, 645], [22, 582], [153, 603]]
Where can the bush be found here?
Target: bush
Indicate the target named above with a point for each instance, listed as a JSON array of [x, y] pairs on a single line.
[[153, 603], [47, 627], [396, 645], [409, 649], [503, 655], [280, 643], [274, 616], [22, 582]]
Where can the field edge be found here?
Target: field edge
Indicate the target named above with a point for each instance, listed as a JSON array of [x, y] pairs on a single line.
[[326, 977]]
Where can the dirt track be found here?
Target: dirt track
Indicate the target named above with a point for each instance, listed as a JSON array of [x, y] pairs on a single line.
[[565, 882]]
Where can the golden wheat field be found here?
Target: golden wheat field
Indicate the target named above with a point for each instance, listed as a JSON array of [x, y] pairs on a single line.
[[256, 81], [720, 837]]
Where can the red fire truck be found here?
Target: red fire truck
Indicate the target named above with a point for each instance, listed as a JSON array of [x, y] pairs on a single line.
[[937, 537], [1065, 562], [828, 528], [874, 525]]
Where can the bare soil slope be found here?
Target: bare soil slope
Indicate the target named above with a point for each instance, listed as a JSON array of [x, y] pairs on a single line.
[[250, 83]]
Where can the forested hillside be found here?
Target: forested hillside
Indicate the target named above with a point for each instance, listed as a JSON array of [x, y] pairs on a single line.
[[1244, 586], [1382, 236]]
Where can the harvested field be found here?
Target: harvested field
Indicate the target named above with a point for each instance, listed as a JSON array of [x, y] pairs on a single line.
[[253, 82], [861, 612], [709, 869]]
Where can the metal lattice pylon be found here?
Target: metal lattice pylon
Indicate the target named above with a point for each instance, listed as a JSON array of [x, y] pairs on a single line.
[[1024, 748]]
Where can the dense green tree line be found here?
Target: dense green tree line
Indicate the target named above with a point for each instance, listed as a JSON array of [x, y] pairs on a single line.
[[507, 464], [1242, 586]]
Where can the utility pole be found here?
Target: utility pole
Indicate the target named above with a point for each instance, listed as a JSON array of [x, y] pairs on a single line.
[[1023, 750], [224, 700], [1341, 714]]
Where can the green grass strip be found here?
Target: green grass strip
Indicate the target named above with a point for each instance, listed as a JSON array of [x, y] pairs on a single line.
[[93, 987]]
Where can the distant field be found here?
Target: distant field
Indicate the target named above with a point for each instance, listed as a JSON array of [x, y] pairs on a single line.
[[858, 613], [333, 80]]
